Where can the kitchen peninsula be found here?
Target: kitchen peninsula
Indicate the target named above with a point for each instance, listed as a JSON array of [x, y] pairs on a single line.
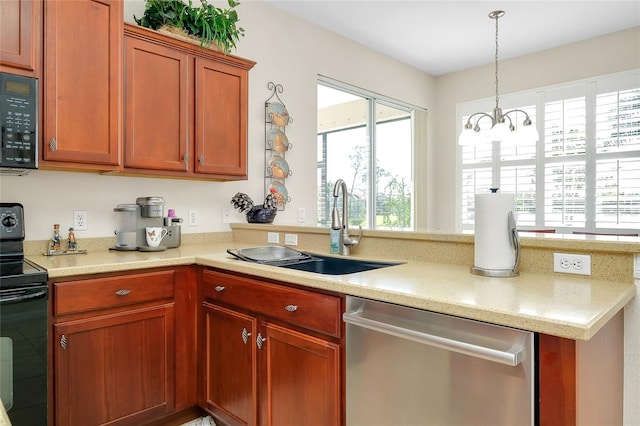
[[581, 315]]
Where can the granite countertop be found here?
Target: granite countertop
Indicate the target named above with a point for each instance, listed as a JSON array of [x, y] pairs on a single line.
[[566, 306]]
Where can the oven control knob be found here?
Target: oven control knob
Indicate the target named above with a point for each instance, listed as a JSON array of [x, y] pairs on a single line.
[[9, 221]]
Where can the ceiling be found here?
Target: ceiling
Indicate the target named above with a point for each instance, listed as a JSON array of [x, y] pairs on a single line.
[[440, 37]]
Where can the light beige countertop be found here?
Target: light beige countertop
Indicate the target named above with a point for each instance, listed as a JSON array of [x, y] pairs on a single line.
[[4, 418], [562, 305]]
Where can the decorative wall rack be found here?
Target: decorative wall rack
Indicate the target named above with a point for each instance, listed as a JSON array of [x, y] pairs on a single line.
[[276, 146]]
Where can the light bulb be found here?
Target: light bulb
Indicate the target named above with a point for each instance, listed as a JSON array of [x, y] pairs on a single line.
[[467, 137], [500, 132], [529, 133]]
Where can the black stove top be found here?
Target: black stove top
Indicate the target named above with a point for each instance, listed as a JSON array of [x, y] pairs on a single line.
[[15, 270], [21, 273]]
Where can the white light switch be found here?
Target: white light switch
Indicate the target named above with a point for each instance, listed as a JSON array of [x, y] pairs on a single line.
[[291, 239]]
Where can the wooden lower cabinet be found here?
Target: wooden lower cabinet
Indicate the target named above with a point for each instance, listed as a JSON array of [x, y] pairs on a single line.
[[257, 370], [115, 369], [123, 347], [301, 379], [230, 364]]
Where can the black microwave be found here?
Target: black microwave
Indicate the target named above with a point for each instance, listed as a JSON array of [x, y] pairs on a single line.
[[19, 121]]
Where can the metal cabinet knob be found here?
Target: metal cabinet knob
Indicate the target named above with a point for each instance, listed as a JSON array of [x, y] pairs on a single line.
[[260, 341], [245, 336], [201, 160], [291, 308], [53, 144], [123, 292], [63, 342], [219, 288]]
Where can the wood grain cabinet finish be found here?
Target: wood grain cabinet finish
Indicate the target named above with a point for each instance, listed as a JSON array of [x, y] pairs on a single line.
[[186, 108], [157, 107], [82, 84], [115, 369], [124, 347], [21, 37], [263, 367]]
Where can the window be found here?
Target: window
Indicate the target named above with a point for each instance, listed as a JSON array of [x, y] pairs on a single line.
[[584, 172], [372, 156]]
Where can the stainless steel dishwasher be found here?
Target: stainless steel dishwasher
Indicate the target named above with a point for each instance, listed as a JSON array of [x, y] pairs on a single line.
[[409, 367]]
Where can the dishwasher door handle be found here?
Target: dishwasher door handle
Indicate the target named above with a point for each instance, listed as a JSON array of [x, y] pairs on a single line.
[[512, 357]]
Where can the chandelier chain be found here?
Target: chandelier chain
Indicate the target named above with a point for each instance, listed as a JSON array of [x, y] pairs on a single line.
[[496, 60]]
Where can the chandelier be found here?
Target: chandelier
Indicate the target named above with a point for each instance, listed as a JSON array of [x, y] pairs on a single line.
[[502, 127]]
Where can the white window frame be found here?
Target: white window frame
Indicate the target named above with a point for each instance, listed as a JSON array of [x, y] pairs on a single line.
[[539, 97], [418, 120]]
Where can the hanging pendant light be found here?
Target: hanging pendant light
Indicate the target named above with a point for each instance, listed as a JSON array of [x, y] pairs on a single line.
[[502, 128]]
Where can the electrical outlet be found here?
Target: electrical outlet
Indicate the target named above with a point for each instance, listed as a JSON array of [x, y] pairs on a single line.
[[572, 263], [291, 239], [302, 215], [273, 237], [80, 220], [194, 218]]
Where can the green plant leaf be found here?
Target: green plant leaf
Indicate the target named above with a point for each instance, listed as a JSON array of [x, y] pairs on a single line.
[[206, 21]]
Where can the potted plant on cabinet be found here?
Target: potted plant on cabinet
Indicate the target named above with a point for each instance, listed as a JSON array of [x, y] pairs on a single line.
[[210, 25]]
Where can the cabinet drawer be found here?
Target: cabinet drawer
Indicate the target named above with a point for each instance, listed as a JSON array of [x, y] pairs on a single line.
[[314, 311], [103, 293]]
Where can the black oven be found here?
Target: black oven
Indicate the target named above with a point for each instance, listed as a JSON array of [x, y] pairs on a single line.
[[23, 325], [19, 124]]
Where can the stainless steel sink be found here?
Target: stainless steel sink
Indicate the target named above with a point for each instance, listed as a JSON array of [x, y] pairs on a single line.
[[328, 265]]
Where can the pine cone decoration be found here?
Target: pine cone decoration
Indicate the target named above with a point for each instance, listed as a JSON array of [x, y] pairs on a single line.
[[242, 202]]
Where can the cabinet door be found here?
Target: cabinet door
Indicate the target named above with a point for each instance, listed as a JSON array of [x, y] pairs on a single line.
[[300, 379], [20, 36], [115, 369], [221, 119], [83, 84], [156, 103], [229, 350]]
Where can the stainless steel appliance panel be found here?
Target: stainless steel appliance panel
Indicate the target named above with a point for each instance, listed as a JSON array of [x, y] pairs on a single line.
[[408, 367]]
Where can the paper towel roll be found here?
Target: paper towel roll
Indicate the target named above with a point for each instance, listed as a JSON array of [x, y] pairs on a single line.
[[493, 247]]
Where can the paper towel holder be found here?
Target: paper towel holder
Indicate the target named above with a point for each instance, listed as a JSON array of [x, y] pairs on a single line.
[[515, 241]]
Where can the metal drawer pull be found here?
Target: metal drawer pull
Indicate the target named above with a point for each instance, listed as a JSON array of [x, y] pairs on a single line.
[[291, 308], [219, 288], [63, 342], [123, 292], [260, 341], [245, 335]]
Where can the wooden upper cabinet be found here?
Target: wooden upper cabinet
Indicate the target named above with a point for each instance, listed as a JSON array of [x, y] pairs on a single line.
[[186, 108], [21, 37], [221, 119], [83, 84], [156, 130]]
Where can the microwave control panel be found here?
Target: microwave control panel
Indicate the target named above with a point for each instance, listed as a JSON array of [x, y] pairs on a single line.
[[19, 120]]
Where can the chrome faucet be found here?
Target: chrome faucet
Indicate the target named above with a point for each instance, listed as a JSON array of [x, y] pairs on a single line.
[[346, 241]]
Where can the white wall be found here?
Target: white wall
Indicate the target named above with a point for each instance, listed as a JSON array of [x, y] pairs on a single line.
[[288, 51]]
